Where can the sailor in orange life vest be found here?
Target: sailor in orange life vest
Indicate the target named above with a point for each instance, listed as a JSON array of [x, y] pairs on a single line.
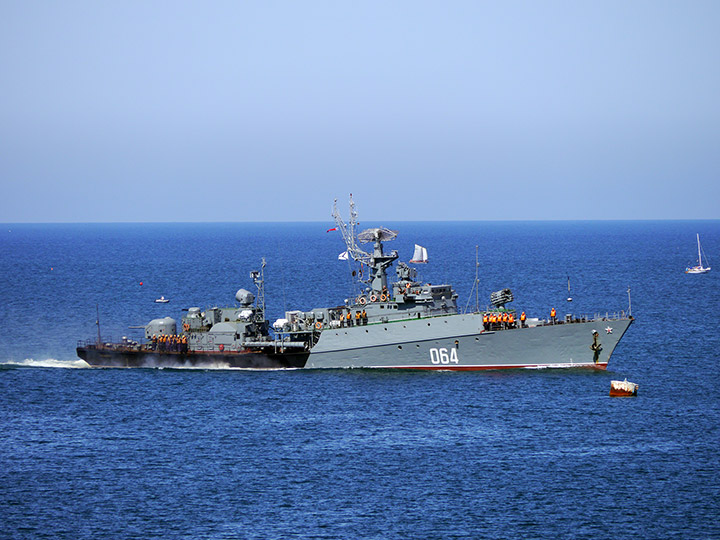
[[552, 315], [522, 320]]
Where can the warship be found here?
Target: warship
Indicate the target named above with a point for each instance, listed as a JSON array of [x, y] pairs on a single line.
[[224, 337], [408, 324], [400, 324]]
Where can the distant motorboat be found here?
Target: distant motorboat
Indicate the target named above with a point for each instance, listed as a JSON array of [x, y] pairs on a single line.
[[162, 300], [699, 268]]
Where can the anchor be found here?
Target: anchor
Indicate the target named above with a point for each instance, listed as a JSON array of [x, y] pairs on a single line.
[[596, 347]]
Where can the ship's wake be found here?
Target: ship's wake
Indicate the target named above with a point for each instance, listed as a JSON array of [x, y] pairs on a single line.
[[46, 363], [81, 364]]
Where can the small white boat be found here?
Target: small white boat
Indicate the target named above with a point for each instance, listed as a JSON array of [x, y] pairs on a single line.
[[162, 300], [699, 268]]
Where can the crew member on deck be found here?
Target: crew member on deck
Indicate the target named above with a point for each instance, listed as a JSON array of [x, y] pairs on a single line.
[[522, 320], [552, 315]]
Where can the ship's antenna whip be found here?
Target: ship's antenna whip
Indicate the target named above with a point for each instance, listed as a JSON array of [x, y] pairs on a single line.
[[477, 282], [476, 286], [629, 303], [97, 322]]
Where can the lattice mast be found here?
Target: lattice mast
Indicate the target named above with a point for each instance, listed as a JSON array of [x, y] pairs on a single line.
[[348, 232]]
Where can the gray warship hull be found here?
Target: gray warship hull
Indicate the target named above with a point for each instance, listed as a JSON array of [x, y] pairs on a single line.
[[459, 342], [113, 356]]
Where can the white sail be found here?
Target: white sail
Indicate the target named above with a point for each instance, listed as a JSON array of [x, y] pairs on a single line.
[[420, 255]]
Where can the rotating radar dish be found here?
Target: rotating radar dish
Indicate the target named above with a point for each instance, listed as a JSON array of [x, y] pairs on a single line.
[[381, 234]]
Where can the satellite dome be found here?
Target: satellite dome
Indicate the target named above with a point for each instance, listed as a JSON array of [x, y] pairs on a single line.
[[245, 297]]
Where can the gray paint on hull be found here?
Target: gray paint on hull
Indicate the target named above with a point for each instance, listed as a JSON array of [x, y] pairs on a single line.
[[429, 344]]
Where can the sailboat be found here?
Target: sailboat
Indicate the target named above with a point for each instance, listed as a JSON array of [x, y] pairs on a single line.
[[569, 298], [420, 255], [699, 269]]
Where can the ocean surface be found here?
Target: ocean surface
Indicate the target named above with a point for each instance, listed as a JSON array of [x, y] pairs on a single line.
[[233, 454]]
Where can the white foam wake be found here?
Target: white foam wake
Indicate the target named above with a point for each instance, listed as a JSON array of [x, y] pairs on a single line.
[[47, 363]]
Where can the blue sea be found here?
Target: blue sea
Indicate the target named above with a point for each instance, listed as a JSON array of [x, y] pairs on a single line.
[[359, 454]]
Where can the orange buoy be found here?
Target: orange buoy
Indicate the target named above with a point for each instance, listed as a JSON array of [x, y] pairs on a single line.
[[623, 388]]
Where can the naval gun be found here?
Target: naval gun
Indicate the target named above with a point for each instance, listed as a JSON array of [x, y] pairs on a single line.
[[500, 298]]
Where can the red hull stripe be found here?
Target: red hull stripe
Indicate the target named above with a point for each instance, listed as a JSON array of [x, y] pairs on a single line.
[[446, 367]]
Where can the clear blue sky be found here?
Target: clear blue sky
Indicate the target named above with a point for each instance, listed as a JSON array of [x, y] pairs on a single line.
[[268, 110]]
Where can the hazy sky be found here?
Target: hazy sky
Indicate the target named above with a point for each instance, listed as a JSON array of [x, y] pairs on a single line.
[[268, 110]]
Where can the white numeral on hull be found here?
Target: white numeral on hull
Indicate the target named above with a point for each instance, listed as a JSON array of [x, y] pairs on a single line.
[[441, 356]]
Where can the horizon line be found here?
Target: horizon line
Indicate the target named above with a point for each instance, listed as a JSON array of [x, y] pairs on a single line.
[[608, 220]]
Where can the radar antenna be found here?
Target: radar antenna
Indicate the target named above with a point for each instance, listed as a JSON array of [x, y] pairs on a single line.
[[378, 234]]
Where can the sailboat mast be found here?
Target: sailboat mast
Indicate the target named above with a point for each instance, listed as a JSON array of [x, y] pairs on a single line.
[[699, 253]]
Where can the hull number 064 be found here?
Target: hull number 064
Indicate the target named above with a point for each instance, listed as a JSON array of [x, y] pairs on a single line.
[[442, 356]]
